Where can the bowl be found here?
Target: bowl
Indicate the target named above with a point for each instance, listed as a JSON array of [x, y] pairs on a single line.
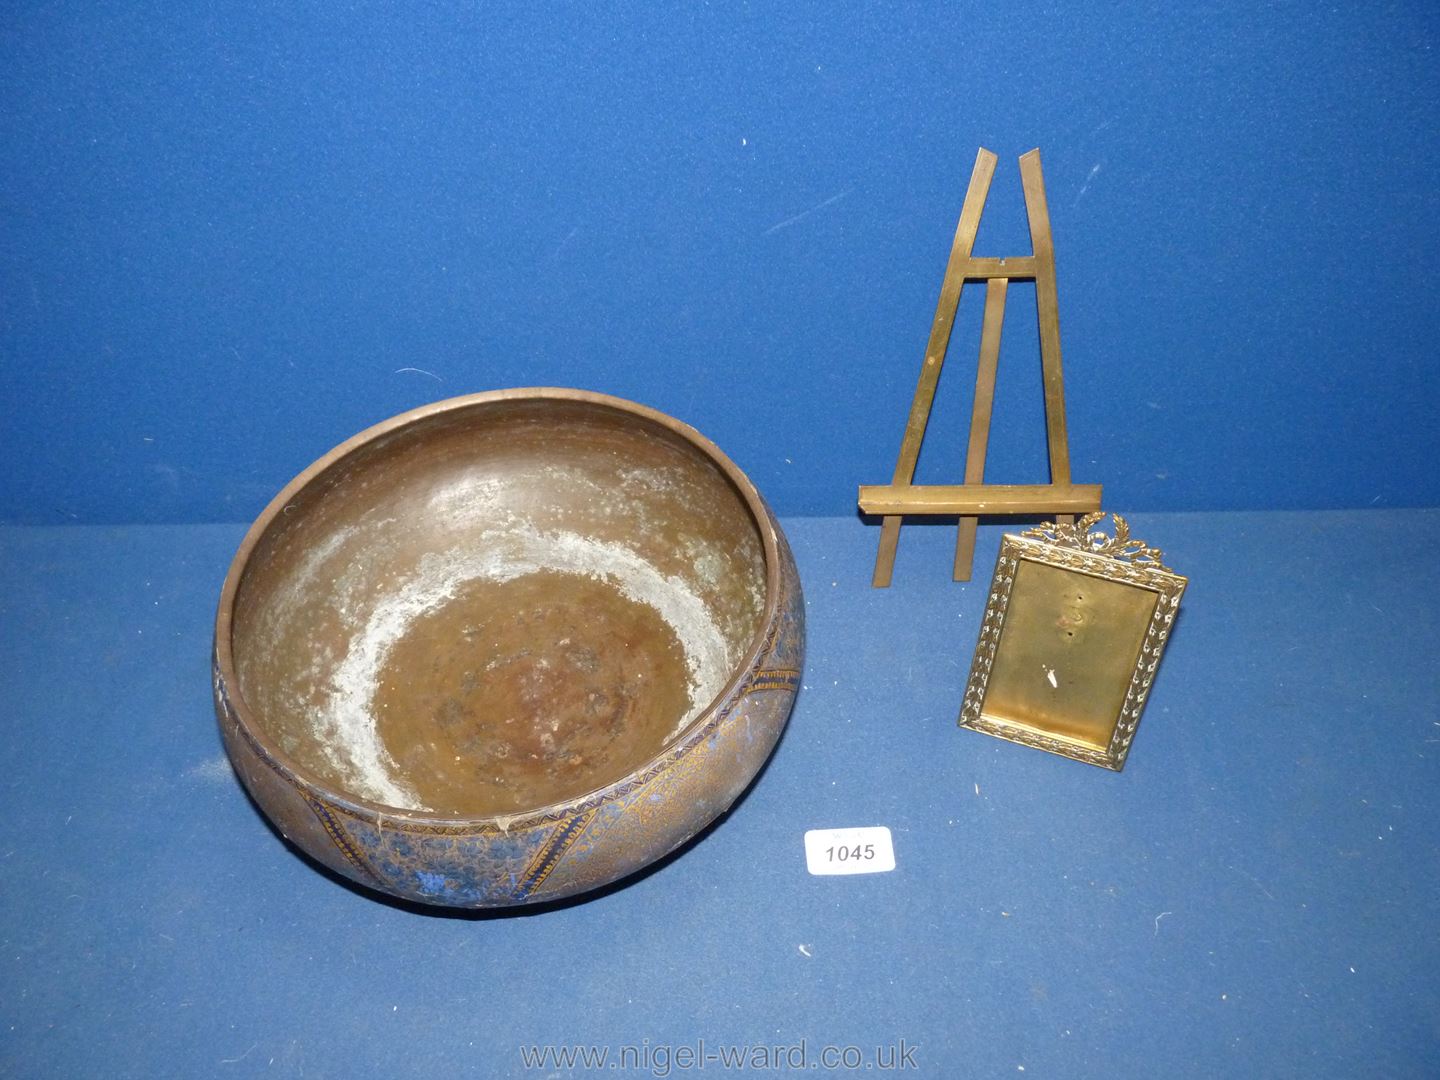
[[507, 648]]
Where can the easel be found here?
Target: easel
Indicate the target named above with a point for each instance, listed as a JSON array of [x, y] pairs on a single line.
[[1059, 497]]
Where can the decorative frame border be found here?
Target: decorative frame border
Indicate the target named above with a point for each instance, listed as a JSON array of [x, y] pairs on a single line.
[[1080, 550]]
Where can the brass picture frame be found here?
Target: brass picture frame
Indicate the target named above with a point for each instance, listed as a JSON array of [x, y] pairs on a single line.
[[1074, 629]]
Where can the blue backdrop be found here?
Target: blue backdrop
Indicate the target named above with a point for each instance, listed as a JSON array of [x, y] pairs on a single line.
[[231, 237]]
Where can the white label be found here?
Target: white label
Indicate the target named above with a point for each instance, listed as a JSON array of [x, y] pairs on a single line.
[[849, 851]]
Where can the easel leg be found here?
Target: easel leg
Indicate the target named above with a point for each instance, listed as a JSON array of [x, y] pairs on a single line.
[[1048, 307], [954, 281], [995, 291], [885, 558]]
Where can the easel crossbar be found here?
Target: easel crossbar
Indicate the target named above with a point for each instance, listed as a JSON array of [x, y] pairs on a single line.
[[921, 499]]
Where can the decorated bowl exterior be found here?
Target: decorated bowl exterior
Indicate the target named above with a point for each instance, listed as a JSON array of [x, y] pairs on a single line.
[[560, 850]]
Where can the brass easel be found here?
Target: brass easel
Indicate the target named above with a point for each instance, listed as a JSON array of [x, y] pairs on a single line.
[[1059, 497]]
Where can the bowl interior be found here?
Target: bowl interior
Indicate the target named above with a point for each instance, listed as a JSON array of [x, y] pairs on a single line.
[[497, 606]]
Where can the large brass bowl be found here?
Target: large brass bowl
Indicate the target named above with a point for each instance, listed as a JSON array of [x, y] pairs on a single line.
[[507, 648]]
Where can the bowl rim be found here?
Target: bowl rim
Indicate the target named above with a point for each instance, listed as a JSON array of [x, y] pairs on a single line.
[[375, 812]]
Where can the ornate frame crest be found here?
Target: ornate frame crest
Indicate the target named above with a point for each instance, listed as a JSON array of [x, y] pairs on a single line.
[[1074, 629]]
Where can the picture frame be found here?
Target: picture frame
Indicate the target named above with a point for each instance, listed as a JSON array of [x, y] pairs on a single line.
[[1075, 626]]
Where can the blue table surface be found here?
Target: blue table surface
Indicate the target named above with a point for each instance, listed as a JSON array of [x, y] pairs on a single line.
[[1257, 894]]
